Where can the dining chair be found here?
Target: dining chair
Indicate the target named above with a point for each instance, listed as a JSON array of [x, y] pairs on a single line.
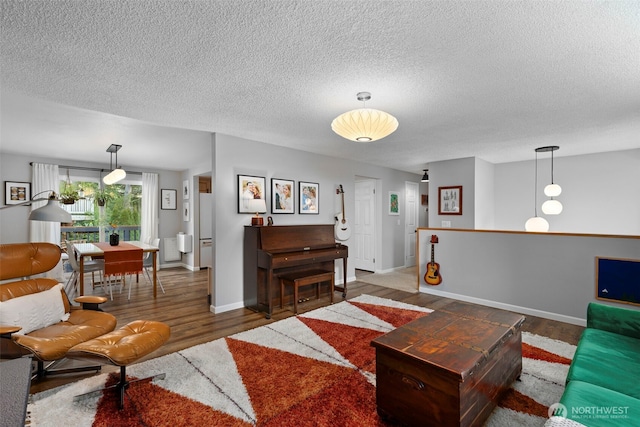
[[90, 266], [65, 255], [147, 263]]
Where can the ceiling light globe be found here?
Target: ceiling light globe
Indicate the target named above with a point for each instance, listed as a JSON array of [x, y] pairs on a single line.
[[114, 176], [552, 190], [552, 207], [364, 125], [536, 223]]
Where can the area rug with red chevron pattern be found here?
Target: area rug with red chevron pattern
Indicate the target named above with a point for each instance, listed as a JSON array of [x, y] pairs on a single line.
[[315, 369]]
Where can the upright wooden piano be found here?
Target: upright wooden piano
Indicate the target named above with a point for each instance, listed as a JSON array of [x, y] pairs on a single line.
[[273, 250]]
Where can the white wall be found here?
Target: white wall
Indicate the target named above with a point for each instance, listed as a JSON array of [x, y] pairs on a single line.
[[484, 195], [600, 193], [453, 173], [549, 275], [233, 156]]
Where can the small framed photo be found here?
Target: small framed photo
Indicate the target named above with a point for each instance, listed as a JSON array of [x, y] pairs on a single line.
[[186, 212], [249, 188], [309, 197], [16, 192], [394, 203], [186, 189], [450, 200], [168, 199], [282, 196]]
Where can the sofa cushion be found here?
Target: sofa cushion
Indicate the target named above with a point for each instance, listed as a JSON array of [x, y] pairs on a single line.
[[34, 311], [608, 360], [595, 406], [623, 321]]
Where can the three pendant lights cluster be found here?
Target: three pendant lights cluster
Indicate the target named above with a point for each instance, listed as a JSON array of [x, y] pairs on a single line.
[[549, 207]]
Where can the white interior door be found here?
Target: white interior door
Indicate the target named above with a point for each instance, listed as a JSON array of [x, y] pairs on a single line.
[[363, 254], [411, 222]]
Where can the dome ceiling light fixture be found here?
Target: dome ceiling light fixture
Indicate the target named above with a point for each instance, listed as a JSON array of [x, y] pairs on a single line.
[[364, 124]]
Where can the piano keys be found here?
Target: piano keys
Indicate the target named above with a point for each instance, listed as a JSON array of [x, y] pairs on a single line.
[[274, 250]]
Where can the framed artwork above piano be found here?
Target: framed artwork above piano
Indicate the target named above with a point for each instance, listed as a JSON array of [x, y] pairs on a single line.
[[309, 198], [249, 188]]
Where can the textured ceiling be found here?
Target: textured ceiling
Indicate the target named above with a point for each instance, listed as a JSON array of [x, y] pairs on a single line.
[[490, 79]]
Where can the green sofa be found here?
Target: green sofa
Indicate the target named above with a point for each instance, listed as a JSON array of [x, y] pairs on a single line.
[[603, 383]]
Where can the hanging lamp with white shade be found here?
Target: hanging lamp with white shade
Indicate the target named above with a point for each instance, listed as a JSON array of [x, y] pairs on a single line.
[[551, 206], [536, 223], [117, 174], [364, 124]]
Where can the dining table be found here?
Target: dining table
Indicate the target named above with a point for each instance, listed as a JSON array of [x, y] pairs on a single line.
[[85, 250]]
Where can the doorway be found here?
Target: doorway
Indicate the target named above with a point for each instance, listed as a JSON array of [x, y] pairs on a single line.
[[410, 222], [364, 230]]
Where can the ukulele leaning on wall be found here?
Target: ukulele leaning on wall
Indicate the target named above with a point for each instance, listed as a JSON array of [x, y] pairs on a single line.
[[432, 276]]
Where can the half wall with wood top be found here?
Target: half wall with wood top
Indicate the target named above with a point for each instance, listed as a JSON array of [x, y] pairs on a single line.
[[550, 275]]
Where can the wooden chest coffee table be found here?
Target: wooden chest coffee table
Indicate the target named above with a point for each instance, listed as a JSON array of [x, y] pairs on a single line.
[[448, 368]]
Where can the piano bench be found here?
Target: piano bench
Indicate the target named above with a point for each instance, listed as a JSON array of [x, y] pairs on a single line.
[[303, 278]]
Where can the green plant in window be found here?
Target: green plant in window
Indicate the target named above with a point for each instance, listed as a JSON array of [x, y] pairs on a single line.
[[101, 196], [69, 196]]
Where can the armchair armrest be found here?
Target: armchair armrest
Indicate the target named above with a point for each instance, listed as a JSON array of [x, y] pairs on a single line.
[[623, 321], [7, 330], [90, 302]]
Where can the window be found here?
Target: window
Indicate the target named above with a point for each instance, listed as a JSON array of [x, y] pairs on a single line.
[[90, 221]]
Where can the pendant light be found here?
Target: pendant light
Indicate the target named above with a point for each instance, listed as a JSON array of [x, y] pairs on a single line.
[[425, 177], [116, 174], [536, 223], [364, 124], [551, 206], [51, 212]]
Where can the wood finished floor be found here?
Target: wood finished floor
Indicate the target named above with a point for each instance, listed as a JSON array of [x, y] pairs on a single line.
[[185, 309]]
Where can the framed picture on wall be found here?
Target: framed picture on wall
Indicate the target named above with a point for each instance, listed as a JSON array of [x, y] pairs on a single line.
[[450, 200], [186, 212], [394, 203], [249, 188], [282, 196], [16, 192], [186, 189], [309, 197], [168, 199]]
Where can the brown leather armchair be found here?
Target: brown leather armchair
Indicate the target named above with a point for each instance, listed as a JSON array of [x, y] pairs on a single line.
[[50, 343]]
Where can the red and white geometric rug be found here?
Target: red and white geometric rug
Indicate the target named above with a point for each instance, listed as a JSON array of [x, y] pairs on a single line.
[[315, 369]]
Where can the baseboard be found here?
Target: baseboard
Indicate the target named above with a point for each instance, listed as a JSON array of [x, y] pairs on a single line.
[[227, 307], [173, 264], [340, 281], [518, 309], [391, 270]]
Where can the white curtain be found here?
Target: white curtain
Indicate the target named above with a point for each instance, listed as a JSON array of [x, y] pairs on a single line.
[[149, 217], [45, 178]]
